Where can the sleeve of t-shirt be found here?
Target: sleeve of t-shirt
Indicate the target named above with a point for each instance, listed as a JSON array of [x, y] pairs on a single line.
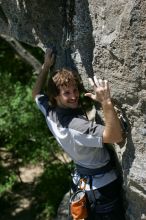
[[42, 103]]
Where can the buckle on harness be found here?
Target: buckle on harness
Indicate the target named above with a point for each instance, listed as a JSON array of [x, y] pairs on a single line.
[[82, 183]]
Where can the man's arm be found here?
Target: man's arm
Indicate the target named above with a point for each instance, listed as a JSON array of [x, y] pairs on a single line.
[[113, 131], [42, 77]]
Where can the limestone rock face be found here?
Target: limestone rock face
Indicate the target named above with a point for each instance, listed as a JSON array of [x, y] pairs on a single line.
[[109, 40]]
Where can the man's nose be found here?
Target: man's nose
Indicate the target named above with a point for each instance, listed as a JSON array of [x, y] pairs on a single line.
[[73, 95]]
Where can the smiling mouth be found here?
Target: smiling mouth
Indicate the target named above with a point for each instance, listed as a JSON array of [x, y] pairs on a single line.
[[72, 102]]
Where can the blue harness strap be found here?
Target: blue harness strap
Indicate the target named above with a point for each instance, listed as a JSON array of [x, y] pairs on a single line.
[[91, 172]]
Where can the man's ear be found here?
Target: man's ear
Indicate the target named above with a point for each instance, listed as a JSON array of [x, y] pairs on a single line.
[[56, 98]]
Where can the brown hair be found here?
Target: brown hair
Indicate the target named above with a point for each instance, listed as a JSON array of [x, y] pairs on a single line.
[[59, 78]]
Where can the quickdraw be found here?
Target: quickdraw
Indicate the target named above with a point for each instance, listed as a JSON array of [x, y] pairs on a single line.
[[123, 121]]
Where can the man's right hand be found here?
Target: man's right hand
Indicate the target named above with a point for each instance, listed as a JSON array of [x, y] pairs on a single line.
[[49, 58]]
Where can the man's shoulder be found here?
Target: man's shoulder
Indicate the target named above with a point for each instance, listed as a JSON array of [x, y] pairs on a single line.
[[42, 102], [41, 97]]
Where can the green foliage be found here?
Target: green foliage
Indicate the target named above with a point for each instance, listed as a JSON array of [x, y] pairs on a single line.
[[35, 51], [52, 186], [7, 179], [23, 132], [22, 127], [12, 63]]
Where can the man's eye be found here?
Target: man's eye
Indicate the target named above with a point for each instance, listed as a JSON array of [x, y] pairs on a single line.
[[66, 93]]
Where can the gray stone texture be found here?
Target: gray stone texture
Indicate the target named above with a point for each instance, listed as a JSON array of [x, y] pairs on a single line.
[[109, 40]]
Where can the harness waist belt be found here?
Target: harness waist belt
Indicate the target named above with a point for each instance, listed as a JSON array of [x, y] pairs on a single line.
[[91, 172]]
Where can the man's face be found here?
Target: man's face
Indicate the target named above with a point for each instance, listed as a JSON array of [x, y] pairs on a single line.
[[68, 97]]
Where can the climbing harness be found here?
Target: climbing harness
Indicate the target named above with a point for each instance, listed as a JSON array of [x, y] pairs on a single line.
[[92, 172], [95, 201]]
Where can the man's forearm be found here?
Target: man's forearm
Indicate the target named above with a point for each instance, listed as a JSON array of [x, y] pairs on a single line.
[[41, 80], [112, 132]]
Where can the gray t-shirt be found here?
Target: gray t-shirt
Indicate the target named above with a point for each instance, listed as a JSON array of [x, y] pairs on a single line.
[[80, 138]]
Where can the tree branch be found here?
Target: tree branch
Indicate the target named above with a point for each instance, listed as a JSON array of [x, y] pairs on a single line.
[[24, 54]]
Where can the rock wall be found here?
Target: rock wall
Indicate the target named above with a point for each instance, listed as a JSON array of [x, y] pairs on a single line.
[[108, 39]]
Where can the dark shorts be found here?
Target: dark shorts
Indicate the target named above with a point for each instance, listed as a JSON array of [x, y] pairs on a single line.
[[110, 193]]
